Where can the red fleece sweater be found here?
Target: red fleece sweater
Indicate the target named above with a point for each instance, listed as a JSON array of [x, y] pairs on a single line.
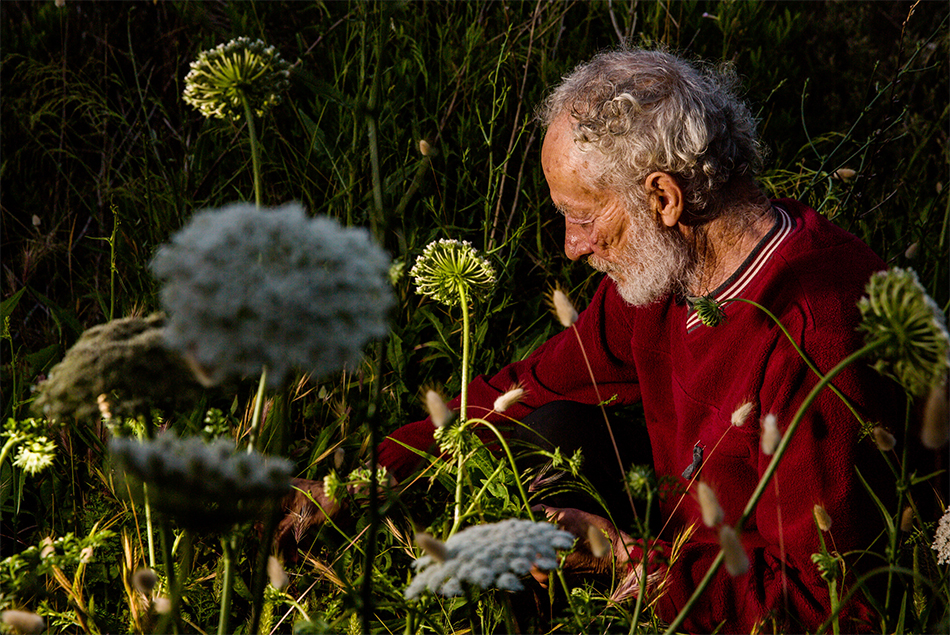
[[691, 378]]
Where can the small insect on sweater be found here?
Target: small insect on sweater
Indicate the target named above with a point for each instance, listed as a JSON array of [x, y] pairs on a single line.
[[691, 378]]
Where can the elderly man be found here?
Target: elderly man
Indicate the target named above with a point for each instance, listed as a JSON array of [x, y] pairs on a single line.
[[651, 161]]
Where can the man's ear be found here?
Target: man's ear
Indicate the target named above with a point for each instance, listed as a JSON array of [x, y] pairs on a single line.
[[665, 196]]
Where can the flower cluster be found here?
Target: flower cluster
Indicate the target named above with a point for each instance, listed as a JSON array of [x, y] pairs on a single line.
[[248, 288], [899, 315], [223, 77], [487, 556], [709, 311], [449, 270], [123, 363], [35, 455], [942, 539], [202, 485]]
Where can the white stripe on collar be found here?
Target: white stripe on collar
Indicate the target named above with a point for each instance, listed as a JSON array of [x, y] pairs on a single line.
[[741, 278]]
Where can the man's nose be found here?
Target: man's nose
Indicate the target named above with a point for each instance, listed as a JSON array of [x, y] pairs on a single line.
[[576, 240]]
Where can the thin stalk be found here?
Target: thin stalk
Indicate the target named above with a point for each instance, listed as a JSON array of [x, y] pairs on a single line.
[[767, 475], [255, 150], [645, 556], [463, 414], [149, 530], [227, 545], [372, 423], [893, 552], [258, 409]]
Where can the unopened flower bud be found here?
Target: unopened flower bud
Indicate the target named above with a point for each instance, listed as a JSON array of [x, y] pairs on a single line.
[[425, 149], [48, 548]]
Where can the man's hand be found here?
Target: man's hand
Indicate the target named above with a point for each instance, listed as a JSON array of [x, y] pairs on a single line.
[[608, 558]]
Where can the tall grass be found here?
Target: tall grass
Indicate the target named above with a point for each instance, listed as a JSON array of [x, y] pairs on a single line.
[[102, 161]]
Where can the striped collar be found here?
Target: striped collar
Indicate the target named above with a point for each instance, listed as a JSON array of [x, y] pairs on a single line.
[[740, 279]]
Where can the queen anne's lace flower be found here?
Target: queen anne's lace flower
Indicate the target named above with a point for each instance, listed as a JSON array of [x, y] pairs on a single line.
[[487, 556], [202, 485], [126, 361], [241, 69], [247, 287], [942, 539], [449, 269], [35, 455], [899, 314]]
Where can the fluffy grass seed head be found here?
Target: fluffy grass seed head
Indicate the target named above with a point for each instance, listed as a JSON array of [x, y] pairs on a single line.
[[709, 505], [936, 423], [247, 287], [883, 439], [125, 360], [222, 77], [941, 542], [771, 436], [564, 308], [495, 555], [433, 547], [708, 310], [507, 400], [599, 545], [447, 270], [23, 621], [741, 414], [35, 455], [276, 574], [203, 486], [439, 412], [822, 519], [736, 559], [898, 314]]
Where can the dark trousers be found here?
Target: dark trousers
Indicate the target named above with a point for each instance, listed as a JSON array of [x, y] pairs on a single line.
[[570, 426]]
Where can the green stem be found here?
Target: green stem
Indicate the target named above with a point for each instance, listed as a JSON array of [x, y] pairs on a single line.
[[767, 475], [255, 150], [149, 530], [463, 413], [227, 544], [643, 565], [258, 409]]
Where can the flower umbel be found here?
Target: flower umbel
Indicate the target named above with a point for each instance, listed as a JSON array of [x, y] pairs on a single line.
[[709, 311], [35, 455], [222, 77], [247, 287], [942, 539], [492, 555], [202, 485], [899, 315], [449, 269]]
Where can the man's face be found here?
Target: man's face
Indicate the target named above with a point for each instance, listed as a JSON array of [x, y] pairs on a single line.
[[643, 257]]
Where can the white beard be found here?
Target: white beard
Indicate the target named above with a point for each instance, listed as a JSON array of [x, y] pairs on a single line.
[[654, 261]]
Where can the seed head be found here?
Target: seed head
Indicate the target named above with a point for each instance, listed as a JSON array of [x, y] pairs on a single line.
[[510, 398], [439, 413], [899, 316], [223, 77], [741, 414], [709, 311], [599, 545], [23, 621], [709, 505], [736, 559], [936, 424], [883, 439], [276, 574], [907, 519], [447, 270], [564, 308], [822, 519], [433, 547], [770, 434]]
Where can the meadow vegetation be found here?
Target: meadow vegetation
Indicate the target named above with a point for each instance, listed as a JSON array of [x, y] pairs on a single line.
[[415, 121]]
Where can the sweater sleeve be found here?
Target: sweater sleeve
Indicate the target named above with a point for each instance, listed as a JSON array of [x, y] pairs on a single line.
[[556, 371], [819, 469]]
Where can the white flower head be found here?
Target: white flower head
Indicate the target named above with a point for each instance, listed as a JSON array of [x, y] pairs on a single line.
[[490, 556], [449, 270], [243, 69], [247, 287], [942, 539], [35, 455]]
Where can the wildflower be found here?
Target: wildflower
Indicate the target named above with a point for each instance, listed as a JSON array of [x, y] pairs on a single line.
[[124, 359], [248, 287], [35, 455], [741, 414], [276, 574], [936, 425], [828, 566], [23, 621], [599, 545], [909, 328], [641, 480], [492, 555], [709, 505], [510, 398], [942, 539], [333, 487], [203, 486], [449, 270], [564, 308], [770, 434], [438, 411], [736, 560], [144, 580], [48, 548], [222, 78], [883, 439], [822, 519], [434, 547], [708, 310], [85, 555]]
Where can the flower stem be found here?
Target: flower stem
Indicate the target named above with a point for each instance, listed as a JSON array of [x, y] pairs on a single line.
[[767, 475], [258, 409], [463, 413], [227, 544], [255, 150]]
